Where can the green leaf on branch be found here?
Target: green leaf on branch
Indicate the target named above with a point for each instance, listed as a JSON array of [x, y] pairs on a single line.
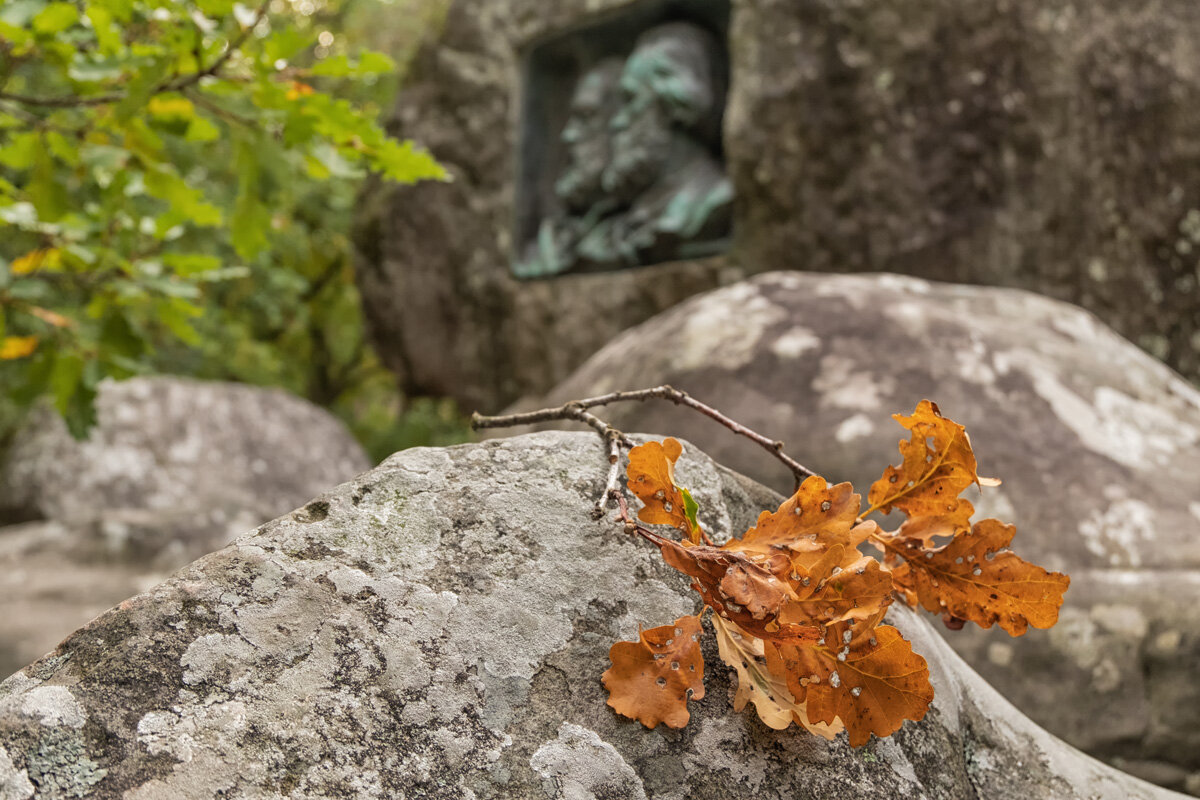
[[107, 37], [55, 18]]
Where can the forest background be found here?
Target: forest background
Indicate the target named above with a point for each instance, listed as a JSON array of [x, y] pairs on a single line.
[[177, 182]]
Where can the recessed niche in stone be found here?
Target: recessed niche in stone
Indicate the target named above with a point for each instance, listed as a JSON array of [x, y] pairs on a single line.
[[620, 161]]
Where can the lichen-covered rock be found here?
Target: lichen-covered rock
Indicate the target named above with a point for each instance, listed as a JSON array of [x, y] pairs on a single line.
[[437, 628], [1098, 446], [174, 469], [174, 462], [1050, 147]]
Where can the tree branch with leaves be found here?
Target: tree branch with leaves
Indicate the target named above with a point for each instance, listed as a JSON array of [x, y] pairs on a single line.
[[153, 156], [797, 607]]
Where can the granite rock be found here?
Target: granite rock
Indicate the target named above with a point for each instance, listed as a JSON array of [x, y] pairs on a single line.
[[1097, 445], [176, 463], [174, 469], [436, 628]]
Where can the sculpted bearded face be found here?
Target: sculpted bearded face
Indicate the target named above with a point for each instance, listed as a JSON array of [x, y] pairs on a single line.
[[587, 137], [666, 89]]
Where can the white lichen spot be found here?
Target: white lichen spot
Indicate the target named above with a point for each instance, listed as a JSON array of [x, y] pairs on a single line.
[[14, 783], [164, 733], [52, 706], [840, 384], [893, 754], [579, 765], [724, 329], [1120, 532], [1077, 637], [1124, 621], [993, 503], [855, 427], [1080, 326], [901, 283], [795, 342], [1195, 509], [1134, 433], [216, 655], [1168, 641], [973, 363]]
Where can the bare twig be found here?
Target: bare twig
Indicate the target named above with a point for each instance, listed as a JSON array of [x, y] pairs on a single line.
[[612, 491], [577, 410]]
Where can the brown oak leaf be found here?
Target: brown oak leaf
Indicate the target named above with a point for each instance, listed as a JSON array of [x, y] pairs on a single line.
[[938, 464], [650, 679], [842, 586], [871, 683], [756, 684], [651, 476], [741, 588], [976, 579], [816, 517]]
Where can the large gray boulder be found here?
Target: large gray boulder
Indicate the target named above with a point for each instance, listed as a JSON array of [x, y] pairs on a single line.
[[1050, 147], [437, 628], [1098, 446], [175, 468], [199, 460]]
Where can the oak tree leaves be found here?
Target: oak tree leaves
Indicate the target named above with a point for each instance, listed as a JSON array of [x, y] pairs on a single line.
[[870, 684], [798, 609], [974, 578], [651, 679], [651, 474], [938, 464]]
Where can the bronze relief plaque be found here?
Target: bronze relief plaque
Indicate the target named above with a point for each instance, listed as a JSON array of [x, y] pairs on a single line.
[[621, 162]]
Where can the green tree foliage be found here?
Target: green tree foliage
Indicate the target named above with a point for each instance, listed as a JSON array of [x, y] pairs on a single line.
[[176, 181]]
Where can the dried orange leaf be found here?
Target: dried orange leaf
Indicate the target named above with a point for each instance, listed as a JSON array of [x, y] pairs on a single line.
[[938, 464], [772, 701], [814, 518], [650, 679], [651, 476], [838, 591], [12, 347], [744, 590], [871, 684], [975, 579], [925, 530]]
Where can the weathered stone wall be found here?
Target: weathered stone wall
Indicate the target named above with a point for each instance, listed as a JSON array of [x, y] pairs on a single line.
[[436, 629], [1049, 146]]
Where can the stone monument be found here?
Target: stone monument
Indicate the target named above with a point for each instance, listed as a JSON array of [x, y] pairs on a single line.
[[642, 183], [1001, 142]]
